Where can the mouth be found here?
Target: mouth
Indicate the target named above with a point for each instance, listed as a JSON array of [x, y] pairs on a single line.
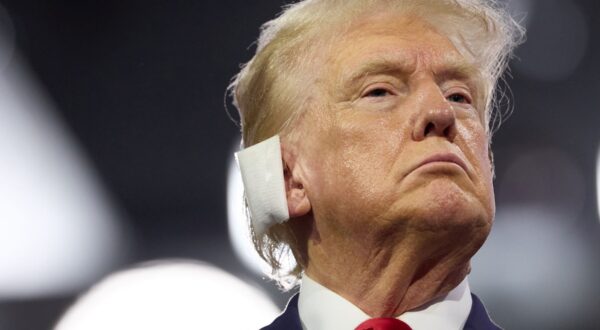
[[444, 158]]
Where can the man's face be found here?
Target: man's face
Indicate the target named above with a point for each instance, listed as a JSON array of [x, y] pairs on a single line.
[[397, 137]]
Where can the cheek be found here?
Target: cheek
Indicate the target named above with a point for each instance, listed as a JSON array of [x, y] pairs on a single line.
[[476, 146], [477, 150], [357, 159]]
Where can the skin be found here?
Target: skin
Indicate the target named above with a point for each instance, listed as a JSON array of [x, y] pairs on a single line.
[[378, 228]]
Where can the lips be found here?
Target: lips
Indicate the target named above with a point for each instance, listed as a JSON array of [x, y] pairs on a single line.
[[444, 157]]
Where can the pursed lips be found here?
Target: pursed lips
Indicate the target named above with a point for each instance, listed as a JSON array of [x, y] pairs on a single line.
[[444, 158]]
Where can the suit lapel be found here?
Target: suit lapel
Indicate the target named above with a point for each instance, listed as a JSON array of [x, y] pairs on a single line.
[[478, 317], [289, 319]]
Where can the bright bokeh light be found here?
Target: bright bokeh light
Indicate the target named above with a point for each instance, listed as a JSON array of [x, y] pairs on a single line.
[[58, 231], [239, 232], [170, 295]]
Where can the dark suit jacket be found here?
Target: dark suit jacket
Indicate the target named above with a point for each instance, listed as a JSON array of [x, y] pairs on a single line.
[[290, 319]]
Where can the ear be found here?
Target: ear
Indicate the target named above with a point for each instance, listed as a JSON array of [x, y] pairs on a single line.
[[293, 175]]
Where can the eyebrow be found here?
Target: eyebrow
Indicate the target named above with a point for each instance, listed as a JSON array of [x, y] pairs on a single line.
[[448, 69], [457, 70], [377, 66]]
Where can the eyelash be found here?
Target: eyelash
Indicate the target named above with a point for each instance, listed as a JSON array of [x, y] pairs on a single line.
[[378, 92], [381, 92], [465, 98]]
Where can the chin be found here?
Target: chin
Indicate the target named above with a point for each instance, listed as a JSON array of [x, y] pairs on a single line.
[[446, 205]]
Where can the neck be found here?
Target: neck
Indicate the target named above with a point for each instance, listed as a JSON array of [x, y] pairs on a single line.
[[385, 276]]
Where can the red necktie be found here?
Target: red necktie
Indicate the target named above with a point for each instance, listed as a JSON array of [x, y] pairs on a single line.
[[383, 323]]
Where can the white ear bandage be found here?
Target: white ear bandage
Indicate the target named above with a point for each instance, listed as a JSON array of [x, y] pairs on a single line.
[[262, 173]]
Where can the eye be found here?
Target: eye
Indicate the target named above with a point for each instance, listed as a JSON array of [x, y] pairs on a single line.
[[458, 98], [378, 92]]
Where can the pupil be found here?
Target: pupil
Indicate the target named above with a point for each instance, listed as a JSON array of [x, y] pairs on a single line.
[[378, 92], [456, 98]]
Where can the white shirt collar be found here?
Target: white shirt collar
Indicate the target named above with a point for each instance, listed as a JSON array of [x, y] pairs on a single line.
[[323, 309]]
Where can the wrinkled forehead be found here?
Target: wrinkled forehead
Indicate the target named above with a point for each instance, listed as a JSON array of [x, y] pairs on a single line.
[[397, 45], [421, 33], [409, 41]]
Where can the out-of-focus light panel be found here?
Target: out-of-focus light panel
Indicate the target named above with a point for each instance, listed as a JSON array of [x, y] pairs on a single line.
[[239, 231], [58, 231], [174, 295]]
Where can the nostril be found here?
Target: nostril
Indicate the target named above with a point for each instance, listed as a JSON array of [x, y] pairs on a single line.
[[447, 131], [430, 127]]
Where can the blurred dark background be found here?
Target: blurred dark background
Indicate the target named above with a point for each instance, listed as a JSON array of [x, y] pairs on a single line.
[[138, 87]]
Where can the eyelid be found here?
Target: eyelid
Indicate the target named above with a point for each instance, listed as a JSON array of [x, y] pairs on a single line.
[[379, 85], [463, 90]]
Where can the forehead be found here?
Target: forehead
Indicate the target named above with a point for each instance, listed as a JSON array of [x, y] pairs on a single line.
[[395, 42]]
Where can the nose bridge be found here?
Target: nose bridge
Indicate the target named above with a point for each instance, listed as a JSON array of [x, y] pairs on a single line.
[[435, 115], [430, 93]]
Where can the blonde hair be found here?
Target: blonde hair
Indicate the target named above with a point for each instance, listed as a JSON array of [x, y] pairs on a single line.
[[270, 94]]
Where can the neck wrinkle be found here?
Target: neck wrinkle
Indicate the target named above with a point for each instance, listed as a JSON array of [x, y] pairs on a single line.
[[388, 282]]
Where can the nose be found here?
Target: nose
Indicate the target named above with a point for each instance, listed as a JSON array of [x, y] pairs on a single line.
[[435, 118]]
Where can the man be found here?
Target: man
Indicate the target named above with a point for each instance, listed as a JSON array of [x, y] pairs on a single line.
[[366, 127]]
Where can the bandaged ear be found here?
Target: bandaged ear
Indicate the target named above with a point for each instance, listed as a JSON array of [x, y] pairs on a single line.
[[261, 166]]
